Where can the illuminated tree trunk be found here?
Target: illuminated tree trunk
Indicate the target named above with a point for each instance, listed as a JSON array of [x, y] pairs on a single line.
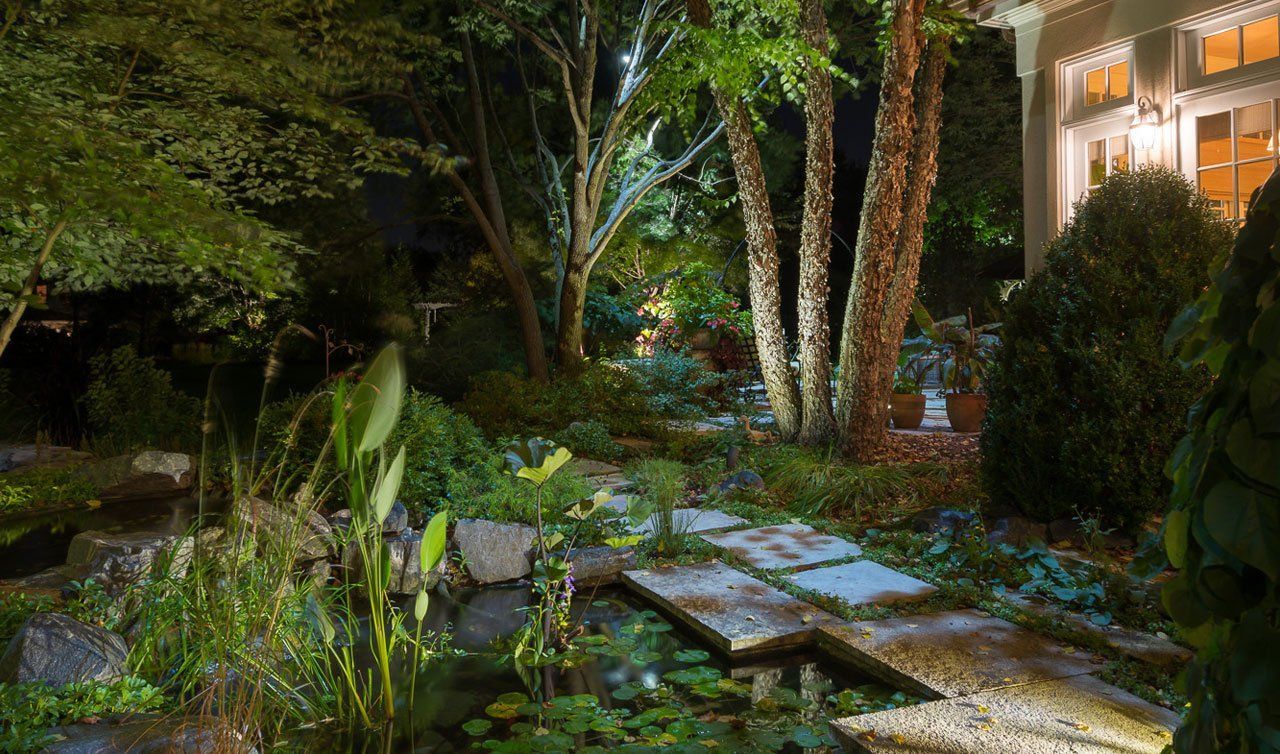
[[863, 393], [923, 173], [818, 422]]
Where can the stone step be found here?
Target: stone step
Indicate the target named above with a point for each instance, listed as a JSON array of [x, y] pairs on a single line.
[[784, 546], [590, 468], [691, 521], [728, 609], [615, 482], [951, 654], [863, 582], [1080, 715]]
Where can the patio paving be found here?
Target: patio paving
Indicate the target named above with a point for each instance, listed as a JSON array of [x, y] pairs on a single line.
[[1080, 715], [951, 654], [785, 546], [863, 582], [692, 521], [727, 608]]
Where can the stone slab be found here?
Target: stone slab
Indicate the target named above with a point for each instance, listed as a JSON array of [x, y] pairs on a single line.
[[727, 608], [693, 521], [784, 546], [590, 468], [1130, 642], [1080, 715], [615, 482], [951, 654], [863, 582]]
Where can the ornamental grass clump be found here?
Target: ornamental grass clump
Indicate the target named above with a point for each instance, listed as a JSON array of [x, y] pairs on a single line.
[[1085, 403]]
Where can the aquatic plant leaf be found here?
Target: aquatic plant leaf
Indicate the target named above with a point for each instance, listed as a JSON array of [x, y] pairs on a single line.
[[376, 401], [691, 655], [433, 542], [420, 605], [384, 494], [535, 459]]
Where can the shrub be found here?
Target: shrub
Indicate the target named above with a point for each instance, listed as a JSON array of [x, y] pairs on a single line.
[[505, 404], [1085, 402], [445, 455], [132, 404], [29, 710], [590, 439], [37, 486], [676, 385]]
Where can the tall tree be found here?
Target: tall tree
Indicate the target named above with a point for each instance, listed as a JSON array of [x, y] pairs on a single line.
[[887, 255], [608, 161], [141, 138]]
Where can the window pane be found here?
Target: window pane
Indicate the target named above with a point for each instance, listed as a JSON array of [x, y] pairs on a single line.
[[1119, 146], [1252, 175], [1097, 151], [1217, 184], [1253, 131], [1261, 40], [1095, 86], [1118, 80], [1213, 139], [1221, 51]]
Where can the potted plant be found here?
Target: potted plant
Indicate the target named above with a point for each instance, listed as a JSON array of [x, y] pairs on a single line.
[[966, 351], [691, 309], [906, 405]]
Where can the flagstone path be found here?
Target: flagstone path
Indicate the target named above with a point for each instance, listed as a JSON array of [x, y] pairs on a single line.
[[996, 687]]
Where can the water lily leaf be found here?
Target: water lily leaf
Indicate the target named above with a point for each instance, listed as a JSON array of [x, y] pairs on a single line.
[[477, 727], [691, 655]]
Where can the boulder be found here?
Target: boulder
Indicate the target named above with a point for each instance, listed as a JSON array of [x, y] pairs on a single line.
[[938, 519], [58, 649], [273, 526], [18, 457], [594, 566], [1015, 530], [404, 550], [397, 519], [495, 552], [150, 734], [741, 479], [118, 560], [51, 581], [1066, 530], [152, 473]]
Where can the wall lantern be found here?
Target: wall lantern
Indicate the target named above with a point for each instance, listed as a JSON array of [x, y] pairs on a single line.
[[1146, 125]]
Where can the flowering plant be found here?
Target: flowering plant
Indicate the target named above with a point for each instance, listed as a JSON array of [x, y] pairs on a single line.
[[691, 301]]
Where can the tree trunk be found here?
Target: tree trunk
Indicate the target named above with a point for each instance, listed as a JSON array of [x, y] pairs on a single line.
[[29, 286], [762, 251], [572, 304], [818, 423], [862, 409], [923, 173]]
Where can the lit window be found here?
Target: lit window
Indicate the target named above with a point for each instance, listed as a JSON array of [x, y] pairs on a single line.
[[1250, 43], [1235, 154], [1106, 83], [1261, 40], [1105, 157]]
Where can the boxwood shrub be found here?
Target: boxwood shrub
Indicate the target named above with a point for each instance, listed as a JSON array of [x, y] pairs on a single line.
[[1086, 404]]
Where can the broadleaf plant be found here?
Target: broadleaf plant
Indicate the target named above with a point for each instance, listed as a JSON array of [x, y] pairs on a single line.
[[1223, 532]]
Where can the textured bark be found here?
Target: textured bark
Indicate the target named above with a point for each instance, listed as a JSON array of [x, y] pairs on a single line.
[[923, 173], [29, 286], [762, 251], [818, 422], [862, 405]]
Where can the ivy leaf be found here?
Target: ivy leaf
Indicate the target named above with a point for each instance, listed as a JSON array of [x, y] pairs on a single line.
[[1245, 522]]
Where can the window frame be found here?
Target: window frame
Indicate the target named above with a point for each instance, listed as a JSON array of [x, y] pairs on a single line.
[[1073, 76], [1191, 66], [1190, 109]]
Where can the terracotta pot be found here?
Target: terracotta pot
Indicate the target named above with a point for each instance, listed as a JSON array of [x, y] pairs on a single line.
[[966, 411], [702, 339], [907, 410]]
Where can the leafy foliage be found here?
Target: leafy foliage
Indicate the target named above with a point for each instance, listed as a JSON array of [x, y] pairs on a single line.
[[1223, 532], [1085, 403], [966, 350], [29, 710], [132, 404], [37, 486], [590, 439], [815, 483], [446, 456]]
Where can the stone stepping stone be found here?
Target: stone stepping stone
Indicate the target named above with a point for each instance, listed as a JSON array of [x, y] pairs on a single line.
[[863, 582], [1081, 715], [615, 482], [590, 468], [951, 654], [1128, 641], [728, 609], [692, 521], [785, 546]]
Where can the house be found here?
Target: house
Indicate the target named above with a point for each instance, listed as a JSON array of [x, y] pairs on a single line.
[[1111, 84]]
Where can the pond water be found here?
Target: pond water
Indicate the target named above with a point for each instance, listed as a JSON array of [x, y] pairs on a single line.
[[33, 543]]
